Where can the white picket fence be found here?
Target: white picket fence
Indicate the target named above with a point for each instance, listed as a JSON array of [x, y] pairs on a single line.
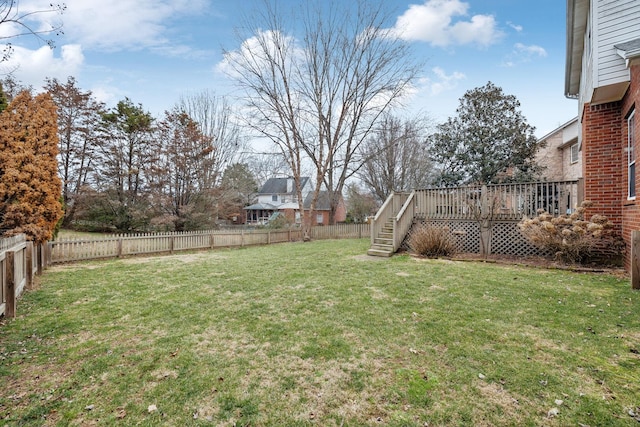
[[68, 250]]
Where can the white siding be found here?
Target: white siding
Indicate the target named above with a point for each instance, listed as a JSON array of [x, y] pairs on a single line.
[[613, 21], [586, 82]]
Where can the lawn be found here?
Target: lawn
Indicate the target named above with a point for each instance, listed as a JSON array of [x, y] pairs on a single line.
[[317, 333]]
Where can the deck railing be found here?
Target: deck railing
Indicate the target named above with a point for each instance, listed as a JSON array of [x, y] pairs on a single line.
[[483, 206], [403, 220], [501, 201], [389, 210]]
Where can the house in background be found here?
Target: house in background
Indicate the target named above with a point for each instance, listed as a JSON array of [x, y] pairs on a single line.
[[560, 154], [323, 207], [277, 195], [603, 73]]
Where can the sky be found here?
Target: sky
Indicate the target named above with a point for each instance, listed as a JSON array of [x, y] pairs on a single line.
[[155, 51]]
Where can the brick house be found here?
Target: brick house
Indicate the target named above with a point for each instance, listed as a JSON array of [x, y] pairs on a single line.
[[603, 73], [560, 153], [277, 195], [321, 212]]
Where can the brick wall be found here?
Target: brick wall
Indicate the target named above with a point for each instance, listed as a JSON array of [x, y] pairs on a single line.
[[550, 157], [604, 145], [631, 208], [604, 160]]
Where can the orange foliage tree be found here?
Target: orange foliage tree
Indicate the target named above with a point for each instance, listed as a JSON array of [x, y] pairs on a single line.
[[30, 188]]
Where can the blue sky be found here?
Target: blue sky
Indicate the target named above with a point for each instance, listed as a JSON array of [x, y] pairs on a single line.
[[154, 51]]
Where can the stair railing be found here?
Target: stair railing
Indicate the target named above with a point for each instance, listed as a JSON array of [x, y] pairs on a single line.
[[395, 203], [385, 212], [403, 220]]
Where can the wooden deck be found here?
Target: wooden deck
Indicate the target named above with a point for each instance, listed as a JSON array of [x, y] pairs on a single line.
[[483, 205]]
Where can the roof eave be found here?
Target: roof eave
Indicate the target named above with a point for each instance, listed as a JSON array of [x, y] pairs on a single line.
[[577, 11]]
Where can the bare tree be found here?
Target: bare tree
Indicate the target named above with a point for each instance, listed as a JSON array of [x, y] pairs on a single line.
[[267, 165], [182, 153], [319, 97], [78, 114], [218, 123], [21, 23], [396, 157], [12, 87], [360, 204], [237, 190]]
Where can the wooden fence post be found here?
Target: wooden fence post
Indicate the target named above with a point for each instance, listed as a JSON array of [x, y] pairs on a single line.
[[43, 257], [29, 263], [9, 269], [635, 259], [38, 255]]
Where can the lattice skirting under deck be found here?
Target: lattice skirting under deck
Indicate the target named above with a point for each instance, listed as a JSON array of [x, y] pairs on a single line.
[[506, 238]]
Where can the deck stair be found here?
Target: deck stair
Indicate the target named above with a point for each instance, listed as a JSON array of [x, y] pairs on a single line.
[[383, 243], [391, 224]]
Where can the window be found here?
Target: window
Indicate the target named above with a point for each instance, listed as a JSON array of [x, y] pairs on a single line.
[[319, 218], [631, 155], [274, 198], [575, 153]]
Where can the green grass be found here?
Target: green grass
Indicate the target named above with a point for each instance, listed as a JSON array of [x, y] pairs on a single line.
[[316, 333]]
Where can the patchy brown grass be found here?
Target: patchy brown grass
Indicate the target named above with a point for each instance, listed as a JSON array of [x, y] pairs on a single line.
[[315, 335]]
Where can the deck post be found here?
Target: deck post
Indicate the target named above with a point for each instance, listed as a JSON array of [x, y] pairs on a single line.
[[635, 259], [485, 221]]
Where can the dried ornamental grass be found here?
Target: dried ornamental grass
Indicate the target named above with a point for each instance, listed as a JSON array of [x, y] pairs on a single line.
[[432, 241], [571, 237]]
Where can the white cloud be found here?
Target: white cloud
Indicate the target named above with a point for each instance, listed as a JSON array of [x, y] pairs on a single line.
[[444, 82], [440, 82], [433, 22], [254, 50], [107, 94], [523, 54], [117, 24], [517, 28], [33, 66], [529, 51]]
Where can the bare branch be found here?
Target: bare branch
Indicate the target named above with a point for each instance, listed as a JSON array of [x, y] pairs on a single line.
[[10, 14], [320, 95]]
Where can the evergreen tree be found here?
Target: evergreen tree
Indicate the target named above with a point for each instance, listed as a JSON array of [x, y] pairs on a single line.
[[30, 189], [123, 156], [489, 141]]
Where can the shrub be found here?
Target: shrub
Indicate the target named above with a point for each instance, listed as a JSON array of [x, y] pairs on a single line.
[[572, 238], [431, 241], [279, 222]]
